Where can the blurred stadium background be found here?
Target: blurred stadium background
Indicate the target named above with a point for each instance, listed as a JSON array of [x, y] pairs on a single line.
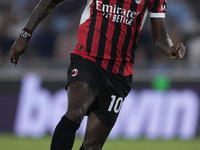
[[162, 111]]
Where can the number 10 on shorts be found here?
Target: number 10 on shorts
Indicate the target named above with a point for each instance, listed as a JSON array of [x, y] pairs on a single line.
[[115, 104]]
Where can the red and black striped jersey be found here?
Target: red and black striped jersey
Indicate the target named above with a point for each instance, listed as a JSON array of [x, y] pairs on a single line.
[[109, 31]]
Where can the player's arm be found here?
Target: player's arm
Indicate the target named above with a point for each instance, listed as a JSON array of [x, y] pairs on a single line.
[[42, 9], [163, 42]]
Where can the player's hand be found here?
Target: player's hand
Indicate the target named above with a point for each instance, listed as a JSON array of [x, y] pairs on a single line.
[[17, 49], [177, 52]]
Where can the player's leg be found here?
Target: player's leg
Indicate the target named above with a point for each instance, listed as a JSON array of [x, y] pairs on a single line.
[[95, 135], [80, 97], [105, 112]]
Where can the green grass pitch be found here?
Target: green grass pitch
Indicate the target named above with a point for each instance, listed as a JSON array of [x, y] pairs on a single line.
[[10, 142]]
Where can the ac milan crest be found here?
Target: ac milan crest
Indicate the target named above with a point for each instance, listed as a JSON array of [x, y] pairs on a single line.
[[74, 72], [138, 1]]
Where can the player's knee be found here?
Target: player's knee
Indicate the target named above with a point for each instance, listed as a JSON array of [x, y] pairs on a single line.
[[92, 145], [75, 115]]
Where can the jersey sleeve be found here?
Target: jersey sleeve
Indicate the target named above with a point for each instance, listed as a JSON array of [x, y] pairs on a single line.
[[157, 8]]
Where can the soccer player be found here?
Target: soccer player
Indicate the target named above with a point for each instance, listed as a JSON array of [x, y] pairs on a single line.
[[100, 73]]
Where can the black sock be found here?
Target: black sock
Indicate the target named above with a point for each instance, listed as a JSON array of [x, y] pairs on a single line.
[[64, 134]]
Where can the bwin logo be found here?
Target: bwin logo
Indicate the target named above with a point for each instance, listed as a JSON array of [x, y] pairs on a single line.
[[138, 1]]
